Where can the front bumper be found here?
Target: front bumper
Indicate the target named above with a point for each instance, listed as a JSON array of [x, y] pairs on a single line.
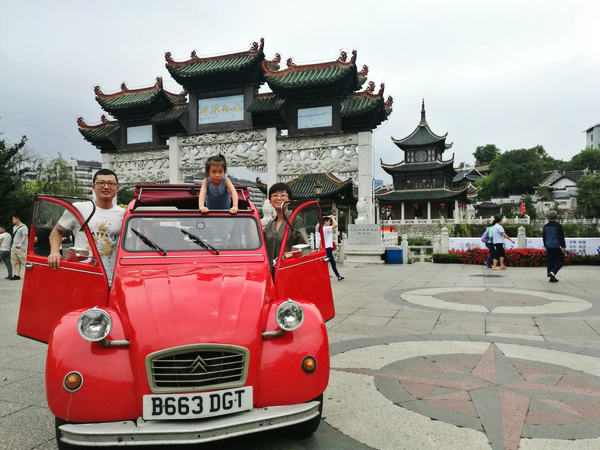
[[163, 432]]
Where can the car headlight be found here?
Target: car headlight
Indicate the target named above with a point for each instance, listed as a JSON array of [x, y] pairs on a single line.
[[289, 315], [94, 324]]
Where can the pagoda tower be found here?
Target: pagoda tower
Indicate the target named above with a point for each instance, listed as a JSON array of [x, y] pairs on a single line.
[[425, 185]]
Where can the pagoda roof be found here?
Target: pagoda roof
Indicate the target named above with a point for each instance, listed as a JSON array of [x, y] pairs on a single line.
[[170, 115], [469, 174], [366, 109], [101, 135], [233, 69], [414, 167], [137, 103], [335, 78], [422, 135], [303, 187], [265, 103], [422, 195]]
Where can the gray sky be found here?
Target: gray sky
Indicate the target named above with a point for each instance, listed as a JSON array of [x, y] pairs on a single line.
[[511, 73]]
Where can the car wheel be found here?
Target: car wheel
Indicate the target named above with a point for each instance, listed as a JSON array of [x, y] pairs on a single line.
[[305, 429]]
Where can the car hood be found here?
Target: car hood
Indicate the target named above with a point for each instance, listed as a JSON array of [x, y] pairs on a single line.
[[167, 306]]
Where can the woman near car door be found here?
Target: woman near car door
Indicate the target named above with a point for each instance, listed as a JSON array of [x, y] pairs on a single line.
[[329, 230]]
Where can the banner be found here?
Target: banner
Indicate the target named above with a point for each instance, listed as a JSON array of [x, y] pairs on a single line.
[[582, 246]]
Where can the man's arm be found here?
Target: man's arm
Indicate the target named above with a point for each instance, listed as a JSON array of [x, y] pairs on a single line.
[[561, 237], [333, 222], [55, 239]]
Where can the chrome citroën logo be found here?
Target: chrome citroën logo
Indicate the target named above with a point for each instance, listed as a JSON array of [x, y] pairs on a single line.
[[198, 365]]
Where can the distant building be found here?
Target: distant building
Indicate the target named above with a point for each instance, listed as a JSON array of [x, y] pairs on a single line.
[[562, 190], [84, 172], [592, 136], [425, 185]]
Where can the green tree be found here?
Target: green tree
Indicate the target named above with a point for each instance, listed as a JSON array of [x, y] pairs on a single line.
[[124, 196], [588, 158], [518, 171], [486, 153], [588, 195], [14, 162], [56, 178]]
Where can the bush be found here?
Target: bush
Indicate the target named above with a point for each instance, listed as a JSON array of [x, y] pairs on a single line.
[[580, 230], [518, 257], [418, 241], [449, 258]]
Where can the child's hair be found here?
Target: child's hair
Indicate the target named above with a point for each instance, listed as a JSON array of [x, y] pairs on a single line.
[[218, 160]]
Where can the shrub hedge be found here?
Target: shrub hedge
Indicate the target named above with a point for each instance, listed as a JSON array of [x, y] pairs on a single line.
[[519, 257]]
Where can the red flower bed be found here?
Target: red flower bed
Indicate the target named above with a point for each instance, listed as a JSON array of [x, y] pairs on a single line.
[[518, 257]]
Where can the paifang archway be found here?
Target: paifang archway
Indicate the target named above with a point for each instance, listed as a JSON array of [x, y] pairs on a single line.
[[315, 119]]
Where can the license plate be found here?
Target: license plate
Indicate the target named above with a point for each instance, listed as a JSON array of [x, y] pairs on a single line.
[[197, 405]]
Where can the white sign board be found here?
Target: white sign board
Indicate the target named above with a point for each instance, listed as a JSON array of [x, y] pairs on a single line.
[[221, 109], [582, 246]]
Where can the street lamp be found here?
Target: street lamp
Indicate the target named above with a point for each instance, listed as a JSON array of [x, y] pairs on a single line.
[[318, 188]]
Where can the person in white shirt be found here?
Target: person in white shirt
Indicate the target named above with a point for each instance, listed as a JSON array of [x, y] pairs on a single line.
[[498, 236], [105, 224], [5, 243], [329, 227], [20, 240]]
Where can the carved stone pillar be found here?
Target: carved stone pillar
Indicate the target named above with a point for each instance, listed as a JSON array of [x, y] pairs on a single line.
[[365, 178], [428, 211], [174, 160], [271, 156], [456, 212], [402, 212]]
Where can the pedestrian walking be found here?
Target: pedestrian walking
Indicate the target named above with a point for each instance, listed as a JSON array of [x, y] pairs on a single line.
[[488, 239], [18, 252], [498, 236], [5, 243], [329, 230], [554, 242]]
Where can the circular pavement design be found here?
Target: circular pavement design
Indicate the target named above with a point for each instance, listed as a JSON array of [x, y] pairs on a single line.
[[494, 300], [479, 393]]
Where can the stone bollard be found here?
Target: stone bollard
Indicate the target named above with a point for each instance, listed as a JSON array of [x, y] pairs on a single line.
[[404, 245], [521, 237], [437, 243], [445, 240]]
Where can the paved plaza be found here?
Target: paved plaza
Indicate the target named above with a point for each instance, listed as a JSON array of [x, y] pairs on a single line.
[[424, 356]]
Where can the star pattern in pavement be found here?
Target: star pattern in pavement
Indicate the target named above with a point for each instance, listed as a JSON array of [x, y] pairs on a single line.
[[506, 398]]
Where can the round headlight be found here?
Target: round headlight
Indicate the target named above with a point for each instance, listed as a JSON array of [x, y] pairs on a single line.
[[94, 324], [289, 315]]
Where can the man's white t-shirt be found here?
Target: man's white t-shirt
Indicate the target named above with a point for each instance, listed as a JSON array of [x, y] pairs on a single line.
[[328, 236], [497, 231], [105, 226], [6, 242]]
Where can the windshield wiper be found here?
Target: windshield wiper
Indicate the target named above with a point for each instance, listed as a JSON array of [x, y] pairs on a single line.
[[148, 242], [201, 242]]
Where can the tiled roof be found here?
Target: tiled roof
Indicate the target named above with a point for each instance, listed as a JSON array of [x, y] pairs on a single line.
[[100, 134], [340, 73], [413, 167], [170, 115], [138, 102], [422, 195], [303, 187], [365, 110], [267, 102], [422, 135], [198, 71]]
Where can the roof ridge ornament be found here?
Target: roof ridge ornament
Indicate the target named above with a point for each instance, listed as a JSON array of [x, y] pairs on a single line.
[[103, 118], [124, 87], [381, 89], [353, 59], [423, 121], [343, 56], [98, 91], [364, 71], [389, 102], [370, 87], [290, 62]]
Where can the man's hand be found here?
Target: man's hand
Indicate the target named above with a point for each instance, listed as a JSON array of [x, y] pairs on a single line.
[[203, 209], [54, 260], [233, 210]]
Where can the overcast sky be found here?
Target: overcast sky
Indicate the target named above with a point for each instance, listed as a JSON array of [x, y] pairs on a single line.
[[511, 73]]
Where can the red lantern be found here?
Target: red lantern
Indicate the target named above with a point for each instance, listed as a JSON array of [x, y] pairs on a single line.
[[416, 205], [522, 209], [442, 205], [390, 207]]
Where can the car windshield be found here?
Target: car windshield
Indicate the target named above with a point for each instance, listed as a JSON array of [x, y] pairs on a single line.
[[171, 233]]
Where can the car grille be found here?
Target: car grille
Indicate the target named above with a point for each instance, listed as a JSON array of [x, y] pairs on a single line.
[[197, 368]]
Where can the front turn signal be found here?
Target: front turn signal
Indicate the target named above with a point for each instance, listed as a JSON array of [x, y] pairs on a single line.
[[73, 381], [309, 364]]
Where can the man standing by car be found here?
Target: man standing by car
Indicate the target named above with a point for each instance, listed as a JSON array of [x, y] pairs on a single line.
[[18, 253], [554, 242], [105, 224]]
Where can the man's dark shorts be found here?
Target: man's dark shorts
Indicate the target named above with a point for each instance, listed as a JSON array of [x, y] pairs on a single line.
[[498, 251]]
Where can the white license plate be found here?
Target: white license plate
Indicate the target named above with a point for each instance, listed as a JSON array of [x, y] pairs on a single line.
[[197, 405]]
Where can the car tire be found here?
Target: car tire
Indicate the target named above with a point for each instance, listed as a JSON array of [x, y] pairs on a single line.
[[306, 429]]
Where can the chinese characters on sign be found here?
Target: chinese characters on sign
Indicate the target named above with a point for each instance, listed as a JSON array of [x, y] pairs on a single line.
[[221, 109], [582, 246]]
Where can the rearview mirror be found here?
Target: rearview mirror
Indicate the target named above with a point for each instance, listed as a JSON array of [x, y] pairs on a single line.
[[300, 250], [76, 254]]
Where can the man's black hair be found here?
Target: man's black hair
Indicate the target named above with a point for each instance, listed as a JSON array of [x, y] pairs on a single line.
[[105, 172], [17, 216], [280, 187]]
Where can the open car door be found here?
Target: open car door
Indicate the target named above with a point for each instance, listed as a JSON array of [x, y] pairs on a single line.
[[79, 282], [302, 270]]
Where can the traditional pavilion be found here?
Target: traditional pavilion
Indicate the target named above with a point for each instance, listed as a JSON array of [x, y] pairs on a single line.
[[425, 185], [221, 94]]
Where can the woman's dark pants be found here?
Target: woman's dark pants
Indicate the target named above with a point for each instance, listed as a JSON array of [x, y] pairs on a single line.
[[554, 260], [332, 261], [490, 260]]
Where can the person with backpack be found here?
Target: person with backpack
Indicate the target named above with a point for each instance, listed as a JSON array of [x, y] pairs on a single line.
[[554, 242], [488, 239], [498, 236]]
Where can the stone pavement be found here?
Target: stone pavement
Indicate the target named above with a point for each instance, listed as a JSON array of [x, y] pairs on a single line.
[[424, 356]]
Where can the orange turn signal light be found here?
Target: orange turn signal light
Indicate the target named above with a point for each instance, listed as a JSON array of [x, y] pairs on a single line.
[[72, 381], [309, 364]]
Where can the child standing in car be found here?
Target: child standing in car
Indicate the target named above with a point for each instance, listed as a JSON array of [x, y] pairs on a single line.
[[217, 191]]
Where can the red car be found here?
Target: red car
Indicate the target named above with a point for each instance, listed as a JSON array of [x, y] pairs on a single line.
[[195, 339]]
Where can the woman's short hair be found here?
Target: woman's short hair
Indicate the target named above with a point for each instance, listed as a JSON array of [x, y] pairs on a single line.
[[278, 187]]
